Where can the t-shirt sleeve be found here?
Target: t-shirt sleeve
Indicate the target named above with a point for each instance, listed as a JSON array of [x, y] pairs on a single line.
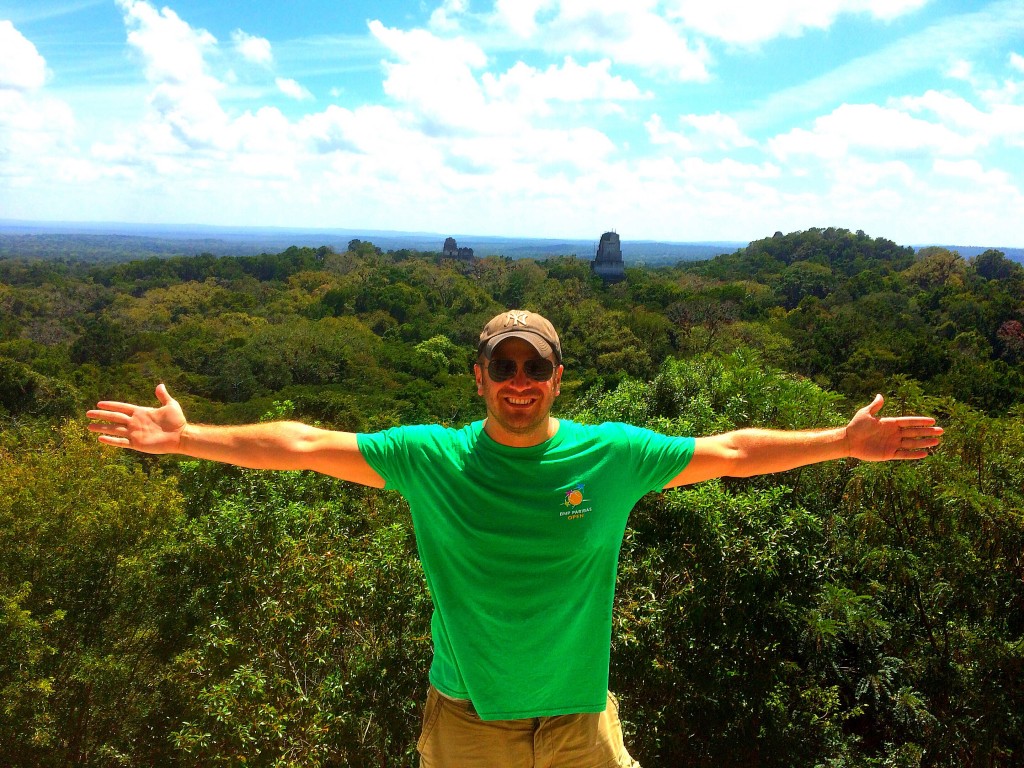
[[657, 458], [386, 452]]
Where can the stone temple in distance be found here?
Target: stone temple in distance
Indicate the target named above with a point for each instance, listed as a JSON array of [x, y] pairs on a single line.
[[451, 250], [608, 261]]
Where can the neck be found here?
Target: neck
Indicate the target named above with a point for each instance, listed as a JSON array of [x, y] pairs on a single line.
[[526, 438]]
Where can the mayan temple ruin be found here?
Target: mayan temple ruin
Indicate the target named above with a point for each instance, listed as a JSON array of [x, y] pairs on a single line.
[[608, 261], [451, 250]]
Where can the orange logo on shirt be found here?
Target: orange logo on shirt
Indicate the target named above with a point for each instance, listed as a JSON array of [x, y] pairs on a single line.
[[574, 496], [573, 499]]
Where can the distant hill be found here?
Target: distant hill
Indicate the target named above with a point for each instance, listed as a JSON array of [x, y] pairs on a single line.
[[648, 252], [111, 241], [968, 251], [123, 242]]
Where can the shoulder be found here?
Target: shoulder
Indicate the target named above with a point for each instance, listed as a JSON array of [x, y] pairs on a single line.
[[640, 442], [422, 436], [612, 431]]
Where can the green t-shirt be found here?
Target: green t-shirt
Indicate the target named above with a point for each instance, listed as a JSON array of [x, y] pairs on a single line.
[[520, 548]]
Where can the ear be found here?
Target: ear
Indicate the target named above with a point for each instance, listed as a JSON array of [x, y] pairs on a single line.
[[558, 380], [478, 374]]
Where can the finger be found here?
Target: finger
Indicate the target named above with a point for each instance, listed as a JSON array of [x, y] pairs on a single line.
[[108, 429], [919, 443], [112, 405], [906, 422], [118, 442], [918, 430], [903, 455], [111, 416]]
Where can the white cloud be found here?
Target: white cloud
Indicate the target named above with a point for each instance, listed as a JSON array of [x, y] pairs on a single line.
[[266, 145], [955, 37], [961, 70], [520, 16], [337, 129], [419, 46], [718, 130], [660, 135], [172, 50], [186, 132], [971, 171], [445, 17], [36, 131], [462, 142], [928, 157], [437, 79], [21, 66], [292, 89], [531, 90], [1004, 120], [185, 114], [434, 77], [886, 10], [700, 133], [34, 134], [951, 110], [533, 163], [629, 32], [744, 22], [874, 129], [253, 49]]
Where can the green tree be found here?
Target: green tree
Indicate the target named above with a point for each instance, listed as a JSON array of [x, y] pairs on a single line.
[[311, 638], [23, 392], [80, 533]]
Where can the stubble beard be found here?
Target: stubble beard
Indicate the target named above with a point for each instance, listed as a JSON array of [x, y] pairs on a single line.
[[528, 422], [523, 425]]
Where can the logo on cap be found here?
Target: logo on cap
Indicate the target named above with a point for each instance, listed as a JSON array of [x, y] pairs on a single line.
[[516, 318]]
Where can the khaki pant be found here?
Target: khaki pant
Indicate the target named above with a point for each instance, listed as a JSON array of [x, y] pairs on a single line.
[[454, 736]]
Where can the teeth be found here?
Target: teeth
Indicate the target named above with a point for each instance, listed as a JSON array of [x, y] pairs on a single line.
[[519, 400]]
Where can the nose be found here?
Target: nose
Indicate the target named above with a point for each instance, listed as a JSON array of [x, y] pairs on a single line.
[[520, 380]]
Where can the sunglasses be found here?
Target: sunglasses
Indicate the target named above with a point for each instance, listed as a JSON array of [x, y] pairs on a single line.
[[538, 369]]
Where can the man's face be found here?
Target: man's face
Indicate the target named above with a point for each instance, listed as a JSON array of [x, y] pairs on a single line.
[[519, 406]]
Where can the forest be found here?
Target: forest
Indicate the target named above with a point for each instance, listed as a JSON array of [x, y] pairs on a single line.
[[163, 611]]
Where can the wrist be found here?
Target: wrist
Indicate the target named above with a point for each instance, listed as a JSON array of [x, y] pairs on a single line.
[[184, 435], [845, 443]]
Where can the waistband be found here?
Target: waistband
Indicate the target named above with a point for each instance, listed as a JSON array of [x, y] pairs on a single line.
[[465, 704]]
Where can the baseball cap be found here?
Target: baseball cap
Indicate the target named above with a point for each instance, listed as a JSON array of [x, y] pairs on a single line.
[[532, 328]]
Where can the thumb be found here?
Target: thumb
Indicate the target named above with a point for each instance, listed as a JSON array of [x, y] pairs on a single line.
[[163, 395], [875, 405]]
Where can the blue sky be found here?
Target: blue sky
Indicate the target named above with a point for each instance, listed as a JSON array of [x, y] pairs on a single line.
[[682, 120]]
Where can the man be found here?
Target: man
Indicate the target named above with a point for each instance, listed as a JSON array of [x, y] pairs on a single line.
[[518, 520]]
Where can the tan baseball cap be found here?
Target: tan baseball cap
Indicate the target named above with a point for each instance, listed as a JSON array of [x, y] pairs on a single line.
[[532, 328]]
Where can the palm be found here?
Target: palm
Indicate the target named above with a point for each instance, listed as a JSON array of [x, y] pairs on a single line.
[[156, 428]]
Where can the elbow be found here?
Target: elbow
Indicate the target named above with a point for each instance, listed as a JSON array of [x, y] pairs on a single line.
[[734, 461]]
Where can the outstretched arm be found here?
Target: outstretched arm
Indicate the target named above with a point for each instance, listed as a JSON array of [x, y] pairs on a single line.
[[276, 445], [748, 452]]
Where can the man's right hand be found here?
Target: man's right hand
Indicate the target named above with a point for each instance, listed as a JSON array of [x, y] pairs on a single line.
[[149, 430], [284, 445]]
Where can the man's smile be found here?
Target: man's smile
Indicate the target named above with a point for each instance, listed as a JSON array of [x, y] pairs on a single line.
[[520, 400]]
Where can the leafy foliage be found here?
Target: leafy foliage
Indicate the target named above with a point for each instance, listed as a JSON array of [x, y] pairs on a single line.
[[84, 657], [162, 612], [311, 624]]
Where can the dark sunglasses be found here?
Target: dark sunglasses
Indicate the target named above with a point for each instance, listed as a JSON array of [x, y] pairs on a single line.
[[538, 369]]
